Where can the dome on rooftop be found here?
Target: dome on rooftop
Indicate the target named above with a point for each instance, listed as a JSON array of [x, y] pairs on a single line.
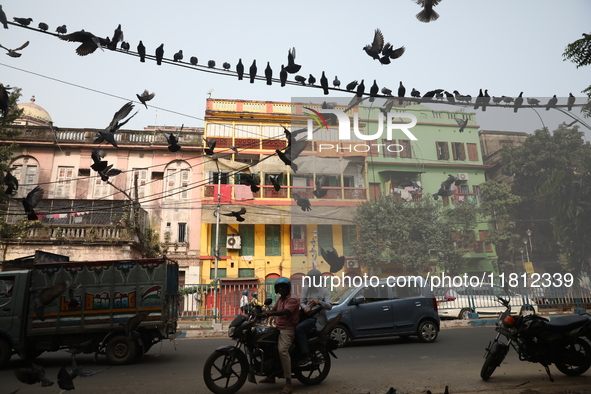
[[33, 114]]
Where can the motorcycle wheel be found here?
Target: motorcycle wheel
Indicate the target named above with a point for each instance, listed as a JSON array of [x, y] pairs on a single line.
[[225, 373], [492, 361], [318, 371], [576, 358]]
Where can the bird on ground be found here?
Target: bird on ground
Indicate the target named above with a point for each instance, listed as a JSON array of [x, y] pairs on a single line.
[[43, 26], [283, 76], [49, 294], [428, 14], [392, 390], [61, 29], [240, 69], [269, 74], [518, 102], [89, 42], [570, 101], [248, 180], [375, 48], [211, 63], [292, 67], [351, 85], [300, 79], [98, 164], [507, 100], [533, 101], [141, 50], [331, 256], [159, 54], [324, 83], [402, 92], [274, 179], [252, 72], [30, 202], [320, 183], [131, 325], [551, 103], [116, 123], [336, 83], [237, 214], [177, 57], [14, 52], [32, 375], [193, 60], [302, 202], [210, 146], [462, 123], [23, 21], [226, 66], [415, 93], [3, 18], [360, 89], [145, 96], [125, 46], [173, 141], [311, 80], [11, 183], [450, 97], [117, 38]]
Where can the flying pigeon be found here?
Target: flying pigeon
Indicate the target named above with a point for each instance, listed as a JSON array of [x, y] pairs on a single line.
[[275, 181], [287, 160], [292, 67], [237, 214], [14, 52], [109, 171], [462, 123], [173, 141], [11, 183], [427, 14], [234, 149], [302, 202], [320, 183], [89, 42], [247, 179], [145, 96], [31, 201], [331, 256], [375, 48], [98, 164], [389, 52], [65, 378], [159, 54], [210, 146], [133, 323], [141, 50], [109, 133], [34, 374], [48, 295]]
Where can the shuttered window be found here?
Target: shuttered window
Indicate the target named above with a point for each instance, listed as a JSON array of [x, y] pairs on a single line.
[[325, 236], [472, 152], [247, 239], [223, 238], [349, 237], [272, 240]]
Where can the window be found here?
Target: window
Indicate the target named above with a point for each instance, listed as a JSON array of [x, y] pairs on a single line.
[[247, 239], [222, 242], [177, 182], [458, 150], [246, 272], [478, 192], [406, 150], [100, 189], [182, 234], [390, 148], [349, 237], [442, 151], [348, 181], [142, 177], [212, 178], [6, 286], [325, 236], [464, 189], [221, 273], [298, 240], [25, 170], [472, 152], [482, 236], [64, 182], [273, 240]]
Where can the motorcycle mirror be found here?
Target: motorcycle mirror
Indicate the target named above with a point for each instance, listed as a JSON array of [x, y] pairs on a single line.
[[268, 301]]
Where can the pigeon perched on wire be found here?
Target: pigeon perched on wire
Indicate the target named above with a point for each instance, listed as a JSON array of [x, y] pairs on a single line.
[[450, 97], [177, 57], [570, 101], [283, 76], [248, 180], [3, 18], [159, 54], [23, 21], [269, 74], [551, 103], [30, 202], [141, 51], [302, 202], [14, 52], [333, 259], [11, 183], [360, 89], [386, 92], [415, 93], [373, 91], [518, 102], [252, 71], [211, 63], [462, 123], [324, 83], [239, 69], [311, 80], [336, 83], [428, 14], [401, 93], [507, 100], [292, 67], [193, 60], [351, 85], [497, 100], [61, 29], [117, 38], [320, 183], [43, 26], [210, 146], [237, 214], [274, 179], [33, 375], [116, 123], [300, 79], [125, 46], [226, 66], [49, 294], [144, 97], [533, 101]]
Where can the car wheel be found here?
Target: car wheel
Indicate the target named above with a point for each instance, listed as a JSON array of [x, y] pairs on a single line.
[[341, 335], [464, 314], [427, 331]]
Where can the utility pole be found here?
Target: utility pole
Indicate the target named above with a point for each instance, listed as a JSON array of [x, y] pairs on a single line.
[[217, 240]]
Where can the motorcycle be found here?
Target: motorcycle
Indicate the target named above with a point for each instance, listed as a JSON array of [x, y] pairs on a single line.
[[255, 354], [538, 340]]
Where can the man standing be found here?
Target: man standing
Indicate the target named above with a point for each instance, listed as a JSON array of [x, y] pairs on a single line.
[[287, 311], [315, 302]]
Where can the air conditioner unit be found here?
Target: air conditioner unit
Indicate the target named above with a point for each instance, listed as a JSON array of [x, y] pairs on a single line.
[[352, 264], [463, 176], [233, 242]]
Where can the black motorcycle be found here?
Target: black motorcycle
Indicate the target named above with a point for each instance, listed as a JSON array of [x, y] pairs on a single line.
[[255, 354], [538, 340]]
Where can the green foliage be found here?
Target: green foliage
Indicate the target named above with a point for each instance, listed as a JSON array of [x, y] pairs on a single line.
[[187, 290], [16, 230], [579, 52], [151, 244], [6, 133]]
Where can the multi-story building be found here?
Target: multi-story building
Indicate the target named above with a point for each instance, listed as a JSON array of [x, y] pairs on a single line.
[[492, 142]]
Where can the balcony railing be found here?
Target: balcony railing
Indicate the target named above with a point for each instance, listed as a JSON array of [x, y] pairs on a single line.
[[81, 233], [286, 192]]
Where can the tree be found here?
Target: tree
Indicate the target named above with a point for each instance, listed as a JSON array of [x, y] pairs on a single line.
[[458, 237], [6, 133], [579, 52]]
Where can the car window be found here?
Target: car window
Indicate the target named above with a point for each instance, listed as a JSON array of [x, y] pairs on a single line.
[[373, 294], [408, 291], [6, 286]]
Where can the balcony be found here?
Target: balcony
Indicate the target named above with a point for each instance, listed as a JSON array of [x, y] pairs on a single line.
[[81, 233], [268, 192]]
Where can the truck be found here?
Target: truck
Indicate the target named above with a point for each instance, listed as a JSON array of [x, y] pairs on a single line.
[[117, 308]]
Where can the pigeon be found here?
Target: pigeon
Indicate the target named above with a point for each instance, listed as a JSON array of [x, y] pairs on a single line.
[[43, 26], [507, 100], [392, 390], [177, 57], [390, 53], [551, 103], [141, 50], [351, 85], [533, 101], [320, 183], [401, 92], [48, 295], [427, 14], [23, 21], [109, 172], [497, 100], [387, 107], [269, 74], [571, 101], [302, 202], [518, 102], [159, 54], [89, 42], [225, 65], [286, 160], [30, 202], [283, 75], [336, 83], [109, 133], [292, 67], [125, 46], [479, 99], [211, 63], [375, 48], [65, 379], [252, 72], [240, 69], [117, 38], [443, 192], [360, 89], [460, 97], [324, 83], [331, 256], [415, 93], [462, 123], [11, 183], [386, 92], [97, 156], [247, 179], [210, 146], [133, 323], [193, 60], [450, 97], [373, 91], [446, 391], [430, 94], [3, 18], [311, 80], [34, 374], [173, 141], [300, 79], [275, 181], [237, 214], [144, 97], [485, 100], [61, 29], [234, 149], [14, 52]]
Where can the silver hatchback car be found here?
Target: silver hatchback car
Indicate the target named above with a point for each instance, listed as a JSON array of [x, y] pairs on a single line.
[[386, 310]]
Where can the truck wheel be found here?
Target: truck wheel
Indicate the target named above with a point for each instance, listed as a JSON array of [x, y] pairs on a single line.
[[5, 353], [121, 350]]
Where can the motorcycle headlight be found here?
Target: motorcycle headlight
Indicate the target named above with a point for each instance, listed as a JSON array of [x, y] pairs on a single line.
[[231, 331]]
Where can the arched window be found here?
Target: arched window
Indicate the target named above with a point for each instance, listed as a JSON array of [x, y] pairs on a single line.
[[26, 171], [177, 175]]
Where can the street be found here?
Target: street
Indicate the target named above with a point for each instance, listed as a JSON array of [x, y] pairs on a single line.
[[364, 366]]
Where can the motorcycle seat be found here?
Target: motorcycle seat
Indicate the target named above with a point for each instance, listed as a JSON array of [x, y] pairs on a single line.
[[565, 324]]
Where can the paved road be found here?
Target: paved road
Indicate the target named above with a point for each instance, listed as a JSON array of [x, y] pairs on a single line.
[[365, 366]]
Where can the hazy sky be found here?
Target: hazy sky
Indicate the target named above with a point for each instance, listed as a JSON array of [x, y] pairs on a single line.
[[506, 46]]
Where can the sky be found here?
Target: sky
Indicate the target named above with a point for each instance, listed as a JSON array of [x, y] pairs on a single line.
[[505, 46]]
